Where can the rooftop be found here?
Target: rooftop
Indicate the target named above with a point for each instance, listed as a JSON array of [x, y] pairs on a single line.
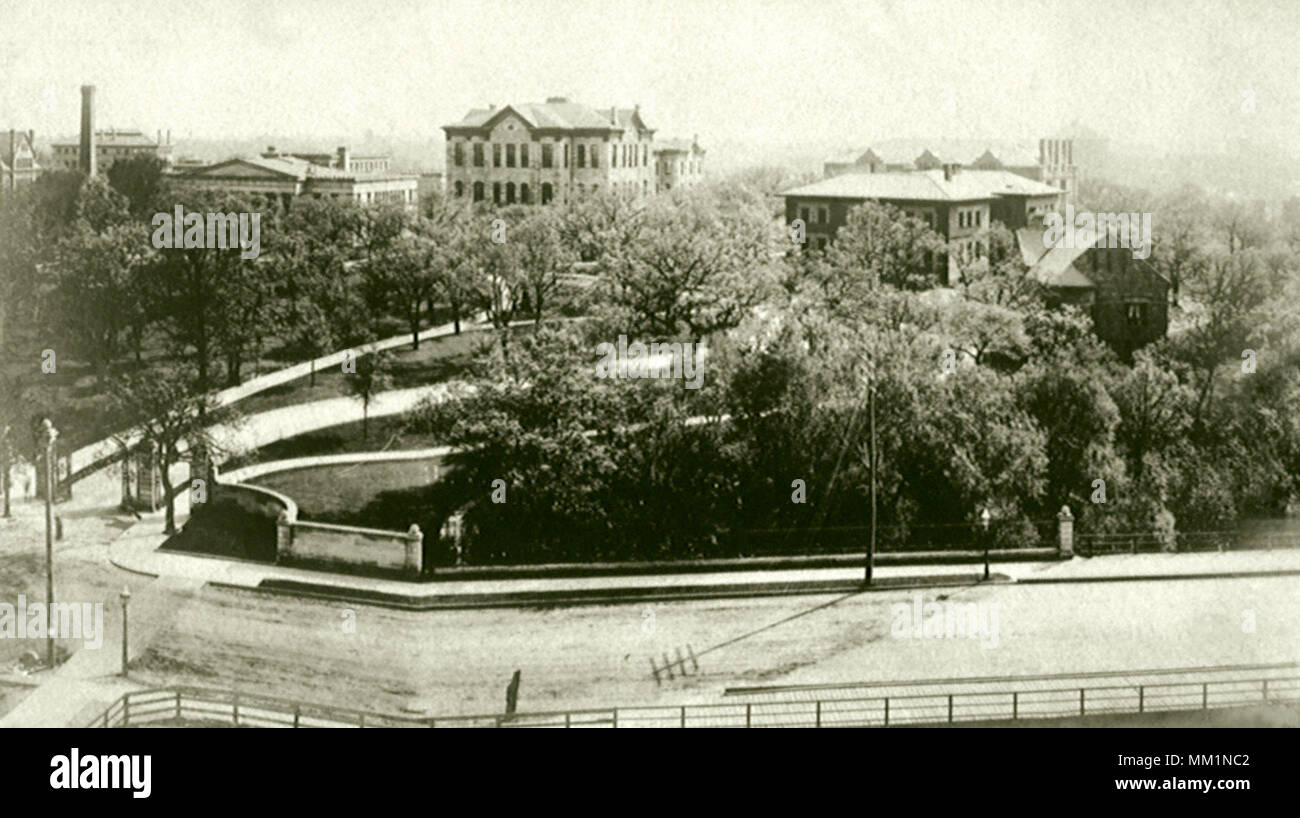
[[118, 138], [927, 185], [557, 113]]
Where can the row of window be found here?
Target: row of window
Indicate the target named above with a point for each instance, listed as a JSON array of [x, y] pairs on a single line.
[[506, 193], [970, 218], [679, 166], [621, 155], [823, 215]]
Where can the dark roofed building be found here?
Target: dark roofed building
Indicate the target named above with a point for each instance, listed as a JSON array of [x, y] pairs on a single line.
[[18, 165]]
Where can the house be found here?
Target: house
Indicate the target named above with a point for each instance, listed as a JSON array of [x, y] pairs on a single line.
[[1126, 297]]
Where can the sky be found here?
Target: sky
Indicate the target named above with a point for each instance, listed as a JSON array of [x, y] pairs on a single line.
[[1178, 74]]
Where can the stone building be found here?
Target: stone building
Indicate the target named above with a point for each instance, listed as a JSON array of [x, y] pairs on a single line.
[[285, 177], [556, 151], [18, 165], [678, 163]]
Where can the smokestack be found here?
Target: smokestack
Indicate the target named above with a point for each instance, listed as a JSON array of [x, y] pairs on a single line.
[[159, 139], [88, 161], [169, 136], [343, 162]]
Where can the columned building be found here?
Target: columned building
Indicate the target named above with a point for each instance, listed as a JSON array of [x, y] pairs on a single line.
[[285, 177], [556, 151]]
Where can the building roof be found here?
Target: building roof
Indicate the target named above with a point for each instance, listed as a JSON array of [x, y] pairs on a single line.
[[292, 166], [1011, 153], [927, 185], [118, 139], [677, 146], [557, 113], [6, 156], [1052, 266]]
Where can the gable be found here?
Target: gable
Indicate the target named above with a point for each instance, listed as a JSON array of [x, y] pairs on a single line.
[[241, 169]]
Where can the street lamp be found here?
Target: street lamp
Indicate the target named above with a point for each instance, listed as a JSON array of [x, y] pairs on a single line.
[[985, 519], [125, 596], [51, 435]]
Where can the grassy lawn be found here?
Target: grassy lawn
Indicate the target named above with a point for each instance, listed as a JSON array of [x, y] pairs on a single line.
[[375, 495]]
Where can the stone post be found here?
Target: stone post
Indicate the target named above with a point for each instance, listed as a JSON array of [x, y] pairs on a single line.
[[1065, 532], [414, 549], [127, 503], [283, 535]]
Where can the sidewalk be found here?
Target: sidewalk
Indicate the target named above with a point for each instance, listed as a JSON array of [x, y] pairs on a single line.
[[137, 551]]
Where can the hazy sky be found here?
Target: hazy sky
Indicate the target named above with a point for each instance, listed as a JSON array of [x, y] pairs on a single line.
[[761, 72]]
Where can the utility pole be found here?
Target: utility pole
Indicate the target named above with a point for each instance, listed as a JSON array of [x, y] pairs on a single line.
[[50, 482]]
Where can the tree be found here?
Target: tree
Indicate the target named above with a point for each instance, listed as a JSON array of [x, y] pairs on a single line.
[[694, 270], [98, 297], [370, 379], [140, 180], [541, 257], [881, 245], [173, 412]]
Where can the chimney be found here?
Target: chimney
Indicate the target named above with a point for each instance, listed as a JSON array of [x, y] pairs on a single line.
[[492, 106], [950, 170], [87, 159], [169, 136], [613, 115], [1042, 152], [270, 151], [159, 139], [343, 161]]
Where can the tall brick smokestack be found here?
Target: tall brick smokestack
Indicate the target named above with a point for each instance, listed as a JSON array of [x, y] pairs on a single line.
[[87, 159]]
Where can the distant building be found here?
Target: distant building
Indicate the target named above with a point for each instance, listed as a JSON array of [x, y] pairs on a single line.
[[678, 163], [1050, 162], [284, 177], [341, 159], [1127, 299], [556, 151], [957, 204], [111, 146], [18, 164]]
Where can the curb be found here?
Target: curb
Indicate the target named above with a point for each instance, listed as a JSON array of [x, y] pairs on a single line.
[[605, 596]]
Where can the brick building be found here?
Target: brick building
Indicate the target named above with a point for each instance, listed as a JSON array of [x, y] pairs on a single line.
[[957, 204], [1127, 299], [556, 151]]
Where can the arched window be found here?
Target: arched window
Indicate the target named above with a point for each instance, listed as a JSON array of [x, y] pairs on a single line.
[[478, 191], [547, 192], [524, 194], [510, 192], [460, 189]]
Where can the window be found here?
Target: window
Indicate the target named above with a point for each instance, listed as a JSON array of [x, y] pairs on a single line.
[[460, 189], [478, 154], [510, 192], [524, 195], [496, 156], [478, 191], [459, 150], [566, 154], [595, 157], [547, 192], [1137, 312], [496, 193], [823, 215], [582, 157], [510, 156], [645, 156], [523, 155], [548, 155]]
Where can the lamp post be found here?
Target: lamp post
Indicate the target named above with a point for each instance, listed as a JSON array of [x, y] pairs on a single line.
[[985, 518], [125, 596], [51, 435]]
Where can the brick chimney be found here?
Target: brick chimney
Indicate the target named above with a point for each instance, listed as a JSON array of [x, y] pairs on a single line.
[[950, 170], [344, 160], [88, 162]]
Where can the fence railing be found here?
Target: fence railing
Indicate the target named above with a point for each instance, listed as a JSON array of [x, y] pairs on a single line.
[[208, 707]]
